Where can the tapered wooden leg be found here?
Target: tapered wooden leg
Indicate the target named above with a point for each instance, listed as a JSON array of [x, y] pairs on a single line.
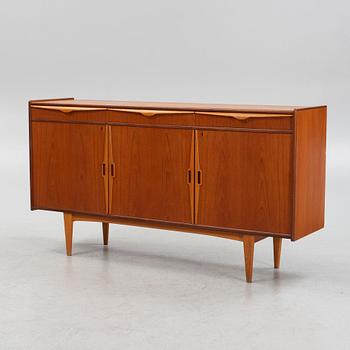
[[248, 245], [68, 230], [105, 229], [277, 245]]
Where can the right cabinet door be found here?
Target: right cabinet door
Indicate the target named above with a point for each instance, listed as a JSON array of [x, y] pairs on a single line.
[[245, 180]]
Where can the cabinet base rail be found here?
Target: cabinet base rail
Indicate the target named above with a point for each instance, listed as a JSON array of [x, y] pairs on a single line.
[[248, 240]]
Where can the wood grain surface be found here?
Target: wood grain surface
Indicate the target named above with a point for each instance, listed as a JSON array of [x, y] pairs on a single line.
[[232, 171], [67, 166], [172, 105], [246, 180], [182, 119], [310, 171], [259, 175], [151, 173], [276, 123], [162, 225], [83, 116], [248, 247]]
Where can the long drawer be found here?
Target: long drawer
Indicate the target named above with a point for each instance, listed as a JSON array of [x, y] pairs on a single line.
[[150, 117], [68, 114], [245, 120]]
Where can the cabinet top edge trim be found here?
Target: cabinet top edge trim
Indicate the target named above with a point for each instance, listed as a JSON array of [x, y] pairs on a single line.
[[199, 107]]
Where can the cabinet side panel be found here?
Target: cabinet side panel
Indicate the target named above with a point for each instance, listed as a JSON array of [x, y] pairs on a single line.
[[30, 156], [310, 171]]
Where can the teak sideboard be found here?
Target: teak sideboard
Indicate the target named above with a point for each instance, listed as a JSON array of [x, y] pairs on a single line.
[[233, 171]]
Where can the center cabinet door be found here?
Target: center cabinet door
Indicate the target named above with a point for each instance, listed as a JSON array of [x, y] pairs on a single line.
[[152, 177], [245, 180]]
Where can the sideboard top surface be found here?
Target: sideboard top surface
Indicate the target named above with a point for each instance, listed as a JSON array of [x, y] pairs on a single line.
[[204, 107]]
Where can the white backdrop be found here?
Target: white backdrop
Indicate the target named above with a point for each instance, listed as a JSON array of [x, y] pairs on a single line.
[[252, 52], [271, 52]]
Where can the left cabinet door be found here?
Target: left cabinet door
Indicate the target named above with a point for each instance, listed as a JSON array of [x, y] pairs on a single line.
[[68, 162]]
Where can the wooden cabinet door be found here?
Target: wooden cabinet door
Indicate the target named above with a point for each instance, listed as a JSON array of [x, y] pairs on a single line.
[[246, 180], [66, 166], [151, 179]]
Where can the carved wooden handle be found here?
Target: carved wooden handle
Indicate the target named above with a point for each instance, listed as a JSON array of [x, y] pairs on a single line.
[[199, 177], [189, 176], [103, 169], [243, 116], [111, 179], [113, 169], [148, 112], [198, 180]]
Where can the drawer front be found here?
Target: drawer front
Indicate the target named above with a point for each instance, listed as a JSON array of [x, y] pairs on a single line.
[[245, 121], [150, 117], [68, 114]]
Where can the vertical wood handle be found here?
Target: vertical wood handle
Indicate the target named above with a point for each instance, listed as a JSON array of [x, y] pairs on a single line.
[[198, 178], [105, 168], [190, 176], [112, 169]]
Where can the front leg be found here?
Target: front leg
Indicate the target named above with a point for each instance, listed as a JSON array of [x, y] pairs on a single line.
[[277, 245], [248, 245], [68, 230], [105, 229]]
